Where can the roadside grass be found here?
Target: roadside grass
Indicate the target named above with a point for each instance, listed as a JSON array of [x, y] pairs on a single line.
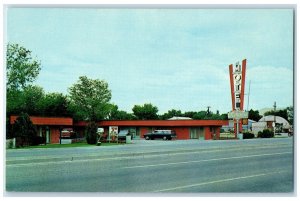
[[77, 144]]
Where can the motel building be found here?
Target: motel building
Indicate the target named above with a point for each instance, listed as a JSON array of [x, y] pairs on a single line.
[[52, 127]]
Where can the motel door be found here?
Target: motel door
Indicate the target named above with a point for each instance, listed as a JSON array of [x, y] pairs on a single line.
[[48, 136], [197, 133]]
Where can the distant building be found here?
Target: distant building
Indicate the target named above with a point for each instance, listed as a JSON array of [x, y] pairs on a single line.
[[180, 118], [282, 125]]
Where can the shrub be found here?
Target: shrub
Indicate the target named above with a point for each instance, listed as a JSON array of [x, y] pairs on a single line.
[[248, 135], [91, 133], [259, 134], [266, 133], [24, 129], [37, 140]]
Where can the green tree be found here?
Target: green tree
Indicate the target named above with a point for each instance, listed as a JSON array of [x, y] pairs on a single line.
[[26, 100], [224, 116], [281, 113], [254, 115], [189, 114], [54, 104], [91, 133], [116, 114], [21, 67], [90, 98], [200, 115], [170, 114], [145, 112], [31, 96], [14, 102], [205, 115], [24, 129]]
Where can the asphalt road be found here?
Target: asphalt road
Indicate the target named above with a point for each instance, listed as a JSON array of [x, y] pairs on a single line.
[[191, 166]]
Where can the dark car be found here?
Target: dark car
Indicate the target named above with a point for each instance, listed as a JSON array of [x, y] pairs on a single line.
[[160, 134], [123, 133]]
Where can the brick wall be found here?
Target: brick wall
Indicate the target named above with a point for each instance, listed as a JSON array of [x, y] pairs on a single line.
[[54, 135], [183, 133]]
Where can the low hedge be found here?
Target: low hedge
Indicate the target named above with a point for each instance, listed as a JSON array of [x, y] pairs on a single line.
[[248, 135], [266, 133]]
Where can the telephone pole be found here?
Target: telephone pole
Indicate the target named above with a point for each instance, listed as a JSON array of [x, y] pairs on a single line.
[[208, 112], [274, 124]]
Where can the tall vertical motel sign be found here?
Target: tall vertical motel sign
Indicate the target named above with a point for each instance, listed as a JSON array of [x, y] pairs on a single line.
[[237, 75]]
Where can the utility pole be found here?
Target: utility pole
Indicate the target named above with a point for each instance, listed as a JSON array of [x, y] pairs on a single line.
[[274, 124], [208, 110]]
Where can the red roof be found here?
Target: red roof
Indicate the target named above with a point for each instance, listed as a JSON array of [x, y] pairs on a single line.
[[65, 121], [158, 123], [51, 121]]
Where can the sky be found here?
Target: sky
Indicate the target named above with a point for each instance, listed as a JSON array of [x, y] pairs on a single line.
[[171, 58]]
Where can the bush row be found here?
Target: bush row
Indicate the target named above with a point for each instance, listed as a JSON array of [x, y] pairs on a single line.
[[265, 134], [248, 135]]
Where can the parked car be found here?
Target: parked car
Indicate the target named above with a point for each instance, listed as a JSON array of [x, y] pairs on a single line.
[[160, 134], [123, 133]]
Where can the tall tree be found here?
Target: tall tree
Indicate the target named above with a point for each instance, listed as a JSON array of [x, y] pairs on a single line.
[[26, 100], [90, 98], [254, 115], [31, 96], [22, 69], [54, 104], [91, 133], [145, 112], [24, 129]]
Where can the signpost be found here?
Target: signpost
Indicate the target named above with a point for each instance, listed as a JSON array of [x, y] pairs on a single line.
[[113, 132], [237, 115], [237, 76], [100, 132]]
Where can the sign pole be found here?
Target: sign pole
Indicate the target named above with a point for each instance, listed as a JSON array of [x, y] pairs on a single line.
[[237, 128], [237, 75]]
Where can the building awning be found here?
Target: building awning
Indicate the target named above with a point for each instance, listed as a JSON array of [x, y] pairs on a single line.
[[66, 121], [49, 121], [164, 123]]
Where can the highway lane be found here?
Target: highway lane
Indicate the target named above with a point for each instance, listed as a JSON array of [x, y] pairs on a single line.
[[244, 168], [139, 147]]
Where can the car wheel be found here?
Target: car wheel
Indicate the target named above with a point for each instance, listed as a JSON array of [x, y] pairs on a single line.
[[165, 138], [147, 138]]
